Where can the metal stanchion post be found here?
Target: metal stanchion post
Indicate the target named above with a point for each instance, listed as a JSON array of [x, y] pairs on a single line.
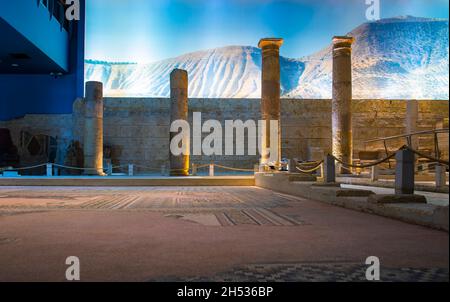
[[440, 176], [49, 170], [130, 170], [404, 172], [329, 169], [375, 171], [110, 169]]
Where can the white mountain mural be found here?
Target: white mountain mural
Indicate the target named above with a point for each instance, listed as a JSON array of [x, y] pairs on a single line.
[[404, 57]]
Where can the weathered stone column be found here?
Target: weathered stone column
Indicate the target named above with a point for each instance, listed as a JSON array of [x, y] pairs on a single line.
[[342, 141], [93, 129], [270, 96], [179, 164], [412, 116]]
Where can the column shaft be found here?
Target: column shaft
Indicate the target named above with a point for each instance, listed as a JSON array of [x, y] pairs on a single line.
[[270, 96], [342, 140], [93, 129], [412, 116], [179, 164]]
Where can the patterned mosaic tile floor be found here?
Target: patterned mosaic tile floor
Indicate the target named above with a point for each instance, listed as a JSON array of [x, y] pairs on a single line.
[[243, 219], [221, 206], [317, 272]]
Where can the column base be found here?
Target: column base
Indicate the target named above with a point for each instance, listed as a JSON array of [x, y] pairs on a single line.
[[94, 173], [179, 173]]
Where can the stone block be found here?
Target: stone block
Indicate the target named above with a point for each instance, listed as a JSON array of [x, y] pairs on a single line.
[[324, 185], [300, 177], [441, 218], [353, 193], [396, 198]]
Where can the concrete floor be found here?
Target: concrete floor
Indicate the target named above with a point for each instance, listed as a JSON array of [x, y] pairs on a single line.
[[170, 233]]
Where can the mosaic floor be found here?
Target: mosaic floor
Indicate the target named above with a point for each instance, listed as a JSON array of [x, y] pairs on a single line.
[[317, 272], [224, 206], [205, 234]]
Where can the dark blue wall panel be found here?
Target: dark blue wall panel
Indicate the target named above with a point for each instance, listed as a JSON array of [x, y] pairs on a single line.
[[43, 94], [36, 94]]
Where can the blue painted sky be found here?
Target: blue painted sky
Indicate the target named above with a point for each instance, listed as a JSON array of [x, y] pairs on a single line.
[[151, 30]]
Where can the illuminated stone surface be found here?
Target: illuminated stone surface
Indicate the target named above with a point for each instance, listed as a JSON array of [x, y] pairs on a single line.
[[93, 129], [342, 140], [138, 129], [411, 120], [270, 95], [179, 164]]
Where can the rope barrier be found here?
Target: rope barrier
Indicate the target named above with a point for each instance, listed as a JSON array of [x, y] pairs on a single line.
[[365, 166], [428, 168], [312, 163], [76, 168], [309, 171], [202, 166], [148, 168], [427, 156], [313, 169], [120, 167], [123, 166], [25, 168], [234, 169], [301, 169], [443, 162]]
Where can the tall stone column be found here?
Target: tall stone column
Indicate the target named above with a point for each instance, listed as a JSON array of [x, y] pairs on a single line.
[[93, 129], [179, 164], [342, 140], [270, 96], [412, 116]]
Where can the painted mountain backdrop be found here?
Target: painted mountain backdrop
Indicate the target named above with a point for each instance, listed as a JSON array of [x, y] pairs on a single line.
[[404, 57]]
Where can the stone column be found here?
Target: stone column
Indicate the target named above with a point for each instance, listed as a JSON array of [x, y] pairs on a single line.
[[412, 116], [342, 141], [93, 129], [179, 165], [270, 96]]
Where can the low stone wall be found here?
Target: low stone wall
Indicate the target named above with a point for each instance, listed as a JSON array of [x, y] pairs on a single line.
[[137, 129], [429, 215]]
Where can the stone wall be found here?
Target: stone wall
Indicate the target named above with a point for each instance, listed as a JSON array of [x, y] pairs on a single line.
[[58, 126], [137, 130]]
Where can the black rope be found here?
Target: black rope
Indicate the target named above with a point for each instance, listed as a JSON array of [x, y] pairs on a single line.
[[427, 156], [365, 166], [311, 169]]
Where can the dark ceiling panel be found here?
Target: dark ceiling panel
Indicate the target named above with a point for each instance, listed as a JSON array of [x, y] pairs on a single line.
[[19, 56]]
